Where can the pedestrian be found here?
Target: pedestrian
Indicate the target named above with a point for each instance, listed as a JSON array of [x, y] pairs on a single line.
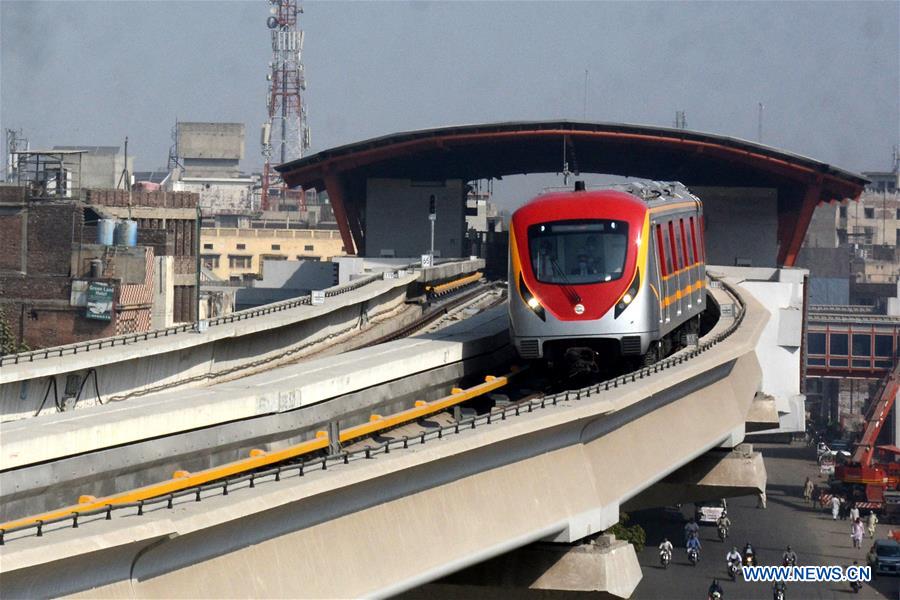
[[854, 512], [835, 507], [808, 490], [871, 521], [856, 533], [844, 506]]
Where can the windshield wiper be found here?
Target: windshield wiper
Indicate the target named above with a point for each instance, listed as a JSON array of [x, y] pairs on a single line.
[[567, 288]]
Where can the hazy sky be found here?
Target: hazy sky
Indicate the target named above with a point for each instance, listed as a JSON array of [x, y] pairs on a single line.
[[93, 72]]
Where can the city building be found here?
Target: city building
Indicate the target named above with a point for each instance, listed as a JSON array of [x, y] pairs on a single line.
[[238, 255], [92, 263], [853, 250]]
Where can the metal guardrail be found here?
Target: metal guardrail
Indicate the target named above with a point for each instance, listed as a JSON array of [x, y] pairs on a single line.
[[322, 463], [122, 340], [860, 319], [842, 308]]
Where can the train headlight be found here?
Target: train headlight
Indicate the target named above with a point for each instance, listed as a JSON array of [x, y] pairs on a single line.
[[629, 296], [533, 303]]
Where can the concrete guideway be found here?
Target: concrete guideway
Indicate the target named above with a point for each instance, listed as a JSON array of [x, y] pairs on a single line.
[[184, 358], [192, 359], [66, 450], [556, 473]]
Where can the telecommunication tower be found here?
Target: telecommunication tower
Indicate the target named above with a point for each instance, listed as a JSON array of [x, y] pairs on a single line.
[[285, 135]]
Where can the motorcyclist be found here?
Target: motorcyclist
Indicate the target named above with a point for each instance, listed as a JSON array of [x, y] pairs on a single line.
[[789, 558], [694, 544], [733, 556], [749, 553], [715, 590], [779, 586], [666, 546], [723, 521], [691, 529]]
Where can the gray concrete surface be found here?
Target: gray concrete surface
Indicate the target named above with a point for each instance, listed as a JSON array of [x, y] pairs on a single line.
[[49, 462], [380, 526], [812, 534], [191, 359]]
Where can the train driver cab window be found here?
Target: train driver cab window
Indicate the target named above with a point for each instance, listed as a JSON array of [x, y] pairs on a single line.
[[571, 252]]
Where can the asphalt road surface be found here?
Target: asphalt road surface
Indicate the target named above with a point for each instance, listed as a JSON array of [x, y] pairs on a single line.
[[813, 535]]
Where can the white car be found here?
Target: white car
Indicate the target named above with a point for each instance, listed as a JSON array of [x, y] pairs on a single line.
[[709, 512]]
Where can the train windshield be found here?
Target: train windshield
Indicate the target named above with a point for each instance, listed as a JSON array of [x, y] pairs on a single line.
[[573, 252]]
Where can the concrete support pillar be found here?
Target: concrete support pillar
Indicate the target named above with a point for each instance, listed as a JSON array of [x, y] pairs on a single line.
[[606, 565]]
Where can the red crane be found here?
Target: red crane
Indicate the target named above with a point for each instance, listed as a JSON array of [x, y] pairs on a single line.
[[862, 469]]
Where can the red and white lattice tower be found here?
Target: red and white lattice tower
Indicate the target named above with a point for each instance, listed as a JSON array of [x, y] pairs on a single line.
[[285, 135]]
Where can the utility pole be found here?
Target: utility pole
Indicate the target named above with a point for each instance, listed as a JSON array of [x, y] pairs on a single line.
[[759, 124], [432, 217], [584, 106]]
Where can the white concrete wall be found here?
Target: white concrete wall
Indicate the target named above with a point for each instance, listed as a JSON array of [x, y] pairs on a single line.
[[163, 314], [780, 291], [397, 218]]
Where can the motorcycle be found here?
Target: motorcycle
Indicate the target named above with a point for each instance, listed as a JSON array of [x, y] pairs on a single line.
[[749, 560], [789, 562], [856, 586], [693, 556], [723, 533], [715, 596], [733, 569], [778, 592], [665, 557]]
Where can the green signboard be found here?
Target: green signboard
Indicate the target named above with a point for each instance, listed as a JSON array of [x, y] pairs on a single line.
[[99, 301]]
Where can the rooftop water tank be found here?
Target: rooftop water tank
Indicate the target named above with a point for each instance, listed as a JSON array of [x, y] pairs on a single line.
[[126, 233], [105, 231]]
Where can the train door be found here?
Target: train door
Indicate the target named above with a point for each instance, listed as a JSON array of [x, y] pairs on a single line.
[[678, 265], [665, 266], [689, 265]]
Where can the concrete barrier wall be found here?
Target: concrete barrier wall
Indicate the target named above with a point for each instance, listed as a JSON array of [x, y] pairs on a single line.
[[380, 526], [195, 359]]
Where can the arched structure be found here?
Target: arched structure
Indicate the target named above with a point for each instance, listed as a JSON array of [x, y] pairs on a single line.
[[493, 150]]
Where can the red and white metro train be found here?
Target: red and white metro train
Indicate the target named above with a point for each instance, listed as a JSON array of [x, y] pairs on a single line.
[[617, 272]]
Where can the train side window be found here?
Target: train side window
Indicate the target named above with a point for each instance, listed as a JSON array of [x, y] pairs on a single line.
[[694, 240], [688, 259], [661, 250], [670, 260], [672, 246]]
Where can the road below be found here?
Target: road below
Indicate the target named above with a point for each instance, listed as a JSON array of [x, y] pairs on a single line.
[[813, 535]]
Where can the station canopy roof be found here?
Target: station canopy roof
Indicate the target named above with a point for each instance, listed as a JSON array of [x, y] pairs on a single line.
[[494, 150]]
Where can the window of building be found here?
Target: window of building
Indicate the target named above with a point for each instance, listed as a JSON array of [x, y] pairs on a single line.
[[239, 262], [898, 214], [210, 261], [838, 344], [883, 345], [207, 246], [843, 212], [815, 343], [842, 236], [897, 234], [242, 246], [308, 248], [869, 213], [862, 344], [276, 246]]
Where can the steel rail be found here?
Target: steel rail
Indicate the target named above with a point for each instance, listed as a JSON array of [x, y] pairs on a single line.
[[183, 480], [321, 442]]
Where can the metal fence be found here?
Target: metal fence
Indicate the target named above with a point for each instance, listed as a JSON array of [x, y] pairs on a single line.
[[301, 468]]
